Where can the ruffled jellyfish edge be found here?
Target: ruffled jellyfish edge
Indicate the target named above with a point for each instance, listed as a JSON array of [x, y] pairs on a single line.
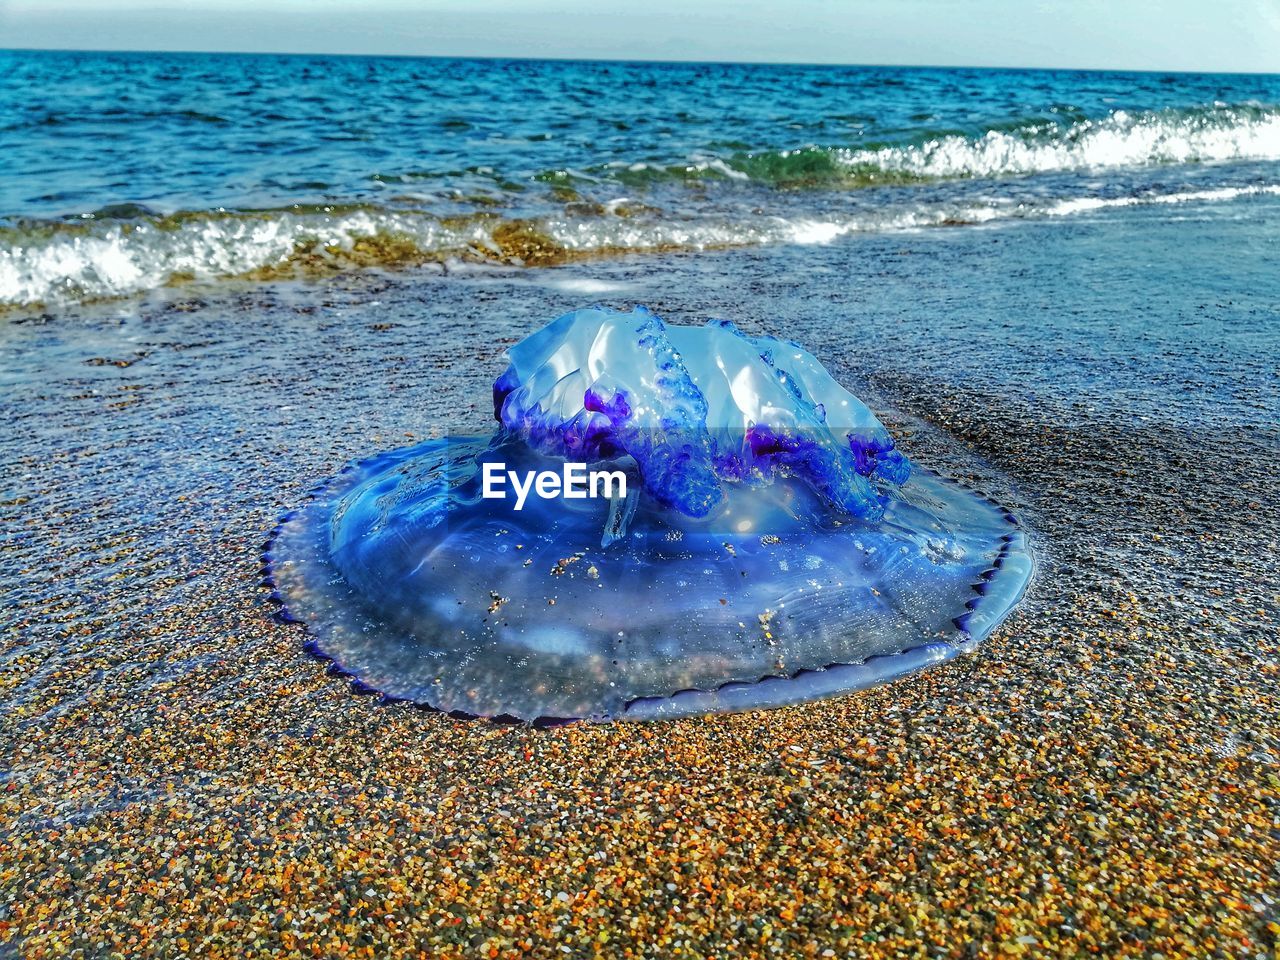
[[995, 593]]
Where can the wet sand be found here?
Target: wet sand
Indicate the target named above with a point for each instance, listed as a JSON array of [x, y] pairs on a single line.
[[1099, 778]]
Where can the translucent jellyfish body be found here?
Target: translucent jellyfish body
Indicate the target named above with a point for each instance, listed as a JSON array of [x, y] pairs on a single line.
[[771, 545]]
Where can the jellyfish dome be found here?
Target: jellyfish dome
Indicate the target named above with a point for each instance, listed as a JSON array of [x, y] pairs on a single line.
[[666, 521]]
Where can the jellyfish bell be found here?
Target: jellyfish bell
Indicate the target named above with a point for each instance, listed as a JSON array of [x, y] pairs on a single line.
[[770, 544]]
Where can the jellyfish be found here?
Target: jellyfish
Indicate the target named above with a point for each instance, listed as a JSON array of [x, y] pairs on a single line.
[[758, 539]]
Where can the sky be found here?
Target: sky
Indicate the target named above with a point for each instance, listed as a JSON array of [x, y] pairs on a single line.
[[1196, 35]]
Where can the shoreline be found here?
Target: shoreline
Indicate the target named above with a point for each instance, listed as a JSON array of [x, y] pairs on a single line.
[[1099, 776]]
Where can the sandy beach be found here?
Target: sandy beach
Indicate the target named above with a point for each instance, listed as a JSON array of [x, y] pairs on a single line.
[[1099, 778]]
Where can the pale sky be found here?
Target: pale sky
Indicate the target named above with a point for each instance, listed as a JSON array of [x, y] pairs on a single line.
[[1208, 35]]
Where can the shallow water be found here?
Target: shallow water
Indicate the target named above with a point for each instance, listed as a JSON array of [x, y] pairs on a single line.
[[211, 165]]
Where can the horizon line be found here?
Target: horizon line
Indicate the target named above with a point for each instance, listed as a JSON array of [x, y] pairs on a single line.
[[642, 60]]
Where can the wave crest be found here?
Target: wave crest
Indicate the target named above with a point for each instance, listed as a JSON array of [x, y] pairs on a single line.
[[50, 263], [1035, 145], [1121, 139]]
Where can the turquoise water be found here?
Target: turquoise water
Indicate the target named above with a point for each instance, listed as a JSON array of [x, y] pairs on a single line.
[[125, 172]]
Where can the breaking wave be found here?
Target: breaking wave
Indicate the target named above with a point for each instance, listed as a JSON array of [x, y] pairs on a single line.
[[1119, 140], [57, 262], [1035, 145]]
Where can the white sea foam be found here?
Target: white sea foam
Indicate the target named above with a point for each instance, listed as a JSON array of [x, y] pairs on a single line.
[[1085, 204], [1118, 140], [103, 259], [113, 259]]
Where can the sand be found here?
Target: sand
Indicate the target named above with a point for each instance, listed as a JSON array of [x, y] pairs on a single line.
[[180, 778]]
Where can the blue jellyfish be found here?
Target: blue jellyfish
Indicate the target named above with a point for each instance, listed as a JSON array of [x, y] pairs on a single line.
[[666, 521]]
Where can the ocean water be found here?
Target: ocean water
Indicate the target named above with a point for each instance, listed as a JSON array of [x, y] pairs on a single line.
[[122, 173]]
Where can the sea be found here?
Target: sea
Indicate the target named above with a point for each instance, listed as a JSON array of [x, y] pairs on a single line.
[[121, 173]]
